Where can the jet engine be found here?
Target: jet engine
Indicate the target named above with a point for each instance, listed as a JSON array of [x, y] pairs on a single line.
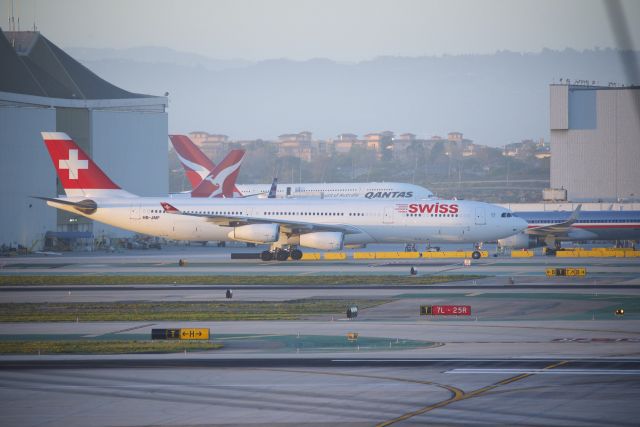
[[521, 241], [324, 240], [255, 233]]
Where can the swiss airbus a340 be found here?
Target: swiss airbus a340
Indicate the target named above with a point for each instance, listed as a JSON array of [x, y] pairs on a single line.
[[285, 224]]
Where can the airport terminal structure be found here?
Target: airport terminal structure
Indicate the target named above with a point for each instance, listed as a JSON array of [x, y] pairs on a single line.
[[595, 142], [44, 89]]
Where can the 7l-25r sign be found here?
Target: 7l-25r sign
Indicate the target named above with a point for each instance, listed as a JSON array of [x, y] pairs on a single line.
[[445, 310]]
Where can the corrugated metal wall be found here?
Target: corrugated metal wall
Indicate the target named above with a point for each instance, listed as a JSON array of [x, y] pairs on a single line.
[[132, 148], [602, 163], [559, 107], [25, 170]]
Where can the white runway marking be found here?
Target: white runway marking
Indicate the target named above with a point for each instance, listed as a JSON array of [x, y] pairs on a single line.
[[500, 371]]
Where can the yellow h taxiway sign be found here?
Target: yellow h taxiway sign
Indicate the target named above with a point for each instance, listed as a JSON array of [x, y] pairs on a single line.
[[194, 333]]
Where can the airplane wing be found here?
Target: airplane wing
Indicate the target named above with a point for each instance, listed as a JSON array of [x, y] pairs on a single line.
[[559, 229], [287, 226]]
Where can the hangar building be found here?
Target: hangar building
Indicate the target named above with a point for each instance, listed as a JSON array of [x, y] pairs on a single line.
[[595, 142], [44, 89]]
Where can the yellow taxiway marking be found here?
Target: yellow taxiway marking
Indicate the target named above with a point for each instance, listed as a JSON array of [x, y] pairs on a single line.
[[456, 392], [463, 396]]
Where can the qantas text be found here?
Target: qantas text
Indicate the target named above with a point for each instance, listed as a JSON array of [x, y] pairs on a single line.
[[388, 194], [433, 208]]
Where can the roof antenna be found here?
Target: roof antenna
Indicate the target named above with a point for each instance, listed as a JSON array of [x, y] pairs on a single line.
[[35, 10], [12, 20]]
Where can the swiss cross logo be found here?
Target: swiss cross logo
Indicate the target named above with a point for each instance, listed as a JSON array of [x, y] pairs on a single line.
[[73, 164]]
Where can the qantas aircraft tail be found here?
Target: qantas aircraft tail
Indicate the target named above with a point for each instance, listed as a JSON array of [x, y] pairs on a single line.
[[79, 175], [195, 163], [221, 182]]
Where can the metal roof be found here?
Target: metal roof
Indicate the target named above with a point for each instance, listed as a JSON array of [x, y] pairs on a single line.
[[33, 65]]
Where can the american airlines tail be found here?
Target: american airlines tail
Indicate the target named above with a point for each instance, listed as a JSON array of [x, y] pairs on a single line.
[[221, 182], [79, 175], [195, 163]]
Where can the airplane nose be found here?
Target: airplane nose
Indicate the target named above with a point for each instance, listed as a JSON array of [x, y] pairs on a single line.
[[519, 224]]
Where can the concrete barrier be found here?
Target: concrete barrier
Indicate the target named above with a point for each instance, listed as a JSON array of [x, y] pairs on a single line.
[[333, 256], [598, 253], [524, 253]]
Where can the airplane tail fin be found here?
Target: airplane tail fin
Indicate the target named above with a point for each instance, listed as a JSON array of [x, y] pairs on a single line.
[[221, 182], [79, 175], [273, 191], [196, 164]]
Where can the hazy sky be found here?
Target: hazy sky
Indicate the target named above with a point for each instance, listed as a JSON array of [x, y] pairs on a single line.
[[345, 30]]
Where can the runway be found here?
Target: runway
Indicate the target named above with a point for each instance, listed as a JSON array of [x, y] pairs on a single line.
[[325, 392], [534, 351]]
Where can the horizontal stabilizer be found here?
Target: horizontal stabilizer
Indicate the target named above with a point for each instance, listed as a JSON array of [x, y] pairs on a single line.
[[86, 206]]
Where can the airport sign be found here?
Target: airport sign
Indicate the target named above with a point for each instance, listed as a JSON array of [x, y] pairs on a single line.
[[180, 334], [194, 334], [445, 310], [568, 271]]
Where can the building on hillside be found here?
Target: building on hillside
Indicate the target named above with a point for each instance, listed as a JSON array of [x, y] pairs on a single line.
[[595, 142], [215, 146], [198, 137], [296, 145], [401, 145], [379, 142], [528, 148], [43, 89], [343, 143], [455, 137]]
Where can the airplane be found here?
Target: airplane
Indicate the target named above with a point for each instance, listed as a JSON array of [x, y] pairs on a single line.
[[196, 165], [553, 228], [285, 224], [273, 190], [220, 182]]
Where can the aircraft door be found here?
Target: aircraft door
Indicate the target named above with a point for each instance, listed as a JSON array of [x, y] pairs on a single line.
[[388, 215], [288, 191], [134, 212], [480, 216]]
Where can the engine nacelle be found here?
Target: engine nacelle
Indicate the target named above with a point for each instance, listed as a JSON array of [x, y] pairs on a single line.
[[324, 240], [256, 233], [521, 241]]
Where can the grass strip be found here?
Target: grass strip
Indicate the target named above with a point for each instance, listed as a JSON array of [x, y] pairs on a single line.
[[179, 311], [103, 347], [43, 280]]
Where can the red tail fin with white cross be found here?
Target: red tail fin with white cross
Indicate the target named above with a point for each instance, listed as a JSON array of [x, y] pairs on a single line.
[[78, 174]]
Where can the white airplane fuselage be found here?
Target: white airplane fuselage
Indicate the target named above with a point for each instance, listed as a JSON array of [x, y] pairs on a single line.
[[376, 221], [341, 190]]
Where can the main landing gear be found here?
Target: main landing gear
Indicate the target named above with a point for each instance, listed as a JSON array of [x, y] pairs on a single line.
[[476, 250], [281, 254]]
